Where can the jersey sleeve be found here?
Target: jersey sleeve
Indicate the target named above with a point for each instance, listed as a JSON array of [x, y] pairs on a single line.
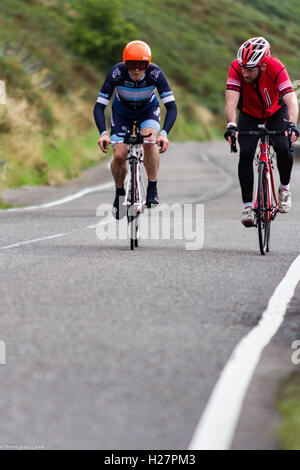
[[109, 85], [167, 99], [234, 79], [105, 95], [283, 82], [163, 87]]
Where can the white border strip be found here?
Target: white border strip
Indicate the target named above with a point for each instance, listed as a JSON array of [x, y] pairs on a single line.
[[227, 178], [64, 200], [216, 428], [105, 221]]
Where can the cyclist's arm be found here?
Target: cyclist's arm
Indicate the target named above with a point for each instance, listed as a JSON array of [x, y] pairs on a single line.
[[233, 89], [290, 100], [103, 99], [171, 116], [99, 108], [231, 103], [285, 89], [168, 100], [100, 117], [231, 100]]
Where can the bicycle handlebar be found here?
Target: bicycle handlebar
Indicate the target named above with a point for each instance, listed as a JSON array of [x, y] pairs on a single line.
[[145, 142], [263, 131], [128, 138], [137, 139]]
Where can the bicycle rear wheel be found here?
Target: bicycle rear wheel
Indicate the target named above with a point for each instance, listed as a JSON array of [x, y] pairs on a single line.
[[263, 211]]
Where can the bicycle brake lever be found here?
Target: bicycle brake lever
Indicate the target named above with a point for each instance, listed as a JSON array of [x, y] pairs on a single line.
[[233, 148], [290, 141]]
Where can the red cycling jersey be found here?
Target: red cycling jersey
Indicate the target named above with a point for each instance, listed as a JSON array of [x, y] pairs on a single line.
[[263, 98]]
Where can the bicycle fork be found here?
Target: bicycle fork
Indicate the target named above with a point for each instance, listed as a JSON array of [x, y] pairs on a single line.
[[136, 206], [269, 208]]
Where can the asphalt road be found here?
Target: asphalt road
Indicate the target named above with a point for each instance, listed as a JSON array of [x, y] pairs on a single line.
[[112, 349]]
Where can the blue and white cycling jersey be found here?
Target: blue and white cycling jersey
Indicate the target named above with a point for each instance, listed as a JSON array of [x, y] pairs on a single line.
[[133, 98]]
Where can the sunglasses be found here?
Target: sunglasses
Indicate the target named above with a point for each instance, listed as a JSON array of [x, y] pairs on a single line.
[[137, 64]]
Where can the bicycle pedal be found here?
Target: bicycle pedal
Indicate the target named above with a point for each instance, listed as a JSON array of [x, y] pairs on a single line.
[[153, 206], [142, 208], [135, 209]]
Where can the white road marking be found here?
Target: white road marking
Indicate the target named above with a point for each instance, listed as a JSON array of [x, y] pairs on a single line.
[[102, 187], [220, 190], [105, 221], [216, 428], [66, 199]]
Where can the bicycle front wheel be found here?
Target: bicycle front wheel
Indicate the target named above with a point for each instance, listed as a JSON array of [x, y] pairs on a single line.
[[132, 218], [263, 210]]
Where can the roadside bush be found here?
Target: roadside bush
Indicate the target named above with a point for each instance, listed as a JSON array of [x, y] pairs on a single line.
[[99, 32]]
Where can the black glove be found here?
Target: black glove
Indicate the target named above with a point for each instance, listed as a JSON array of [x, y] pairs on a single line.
[[230, 132], [290, 127]]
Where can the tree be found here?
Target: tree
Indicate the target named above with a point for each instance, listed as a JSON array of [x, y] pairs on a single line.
[[99, 32]]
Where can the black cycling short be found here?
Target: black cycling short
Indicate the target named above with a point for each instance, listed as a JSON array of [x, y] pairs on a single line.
[[120, 124], [248, 146]]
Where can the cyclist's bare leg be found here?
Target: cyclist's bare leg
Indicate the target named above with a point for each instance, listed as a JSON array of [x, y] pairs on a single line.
[[151, 154], [118, 165]]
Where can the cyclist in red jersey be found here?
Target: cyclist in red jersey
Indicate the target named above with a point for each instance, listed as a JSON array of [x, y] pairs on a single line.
[[258, 86]]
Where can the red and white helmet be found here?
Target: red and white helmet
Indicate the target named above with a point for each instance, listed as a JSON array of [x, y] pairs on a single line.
[[253, 52]]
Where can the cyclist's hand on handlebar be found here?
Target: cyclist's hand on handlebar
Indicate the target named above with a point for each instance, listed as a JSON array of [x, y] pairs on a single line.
[[163, 143], [231, 131], [104, 142], [231, 135], [292, 132]]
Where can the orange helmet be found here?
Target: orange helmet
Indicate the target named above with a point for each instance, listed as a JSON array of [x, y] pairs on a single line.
[[137, 50]]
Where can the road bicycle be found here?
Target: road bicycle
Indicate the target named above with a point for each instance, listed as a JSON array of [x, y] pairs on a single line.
[[266, 204], [135, 195]]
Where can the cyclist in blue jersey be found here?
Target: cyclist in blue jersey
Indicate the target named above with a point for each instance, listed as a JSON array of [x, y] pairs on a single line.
[[135, 81]]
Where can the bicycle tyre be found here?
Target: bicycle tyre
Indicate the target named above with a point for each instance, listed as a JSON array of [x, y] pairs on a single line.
[[134, 233], [267, 219], [131, 218], [136, 243], [263, 222]]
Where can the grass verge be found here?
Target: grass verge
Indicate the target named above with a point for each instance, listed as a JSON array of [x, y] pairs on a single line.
[[288, 405]]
